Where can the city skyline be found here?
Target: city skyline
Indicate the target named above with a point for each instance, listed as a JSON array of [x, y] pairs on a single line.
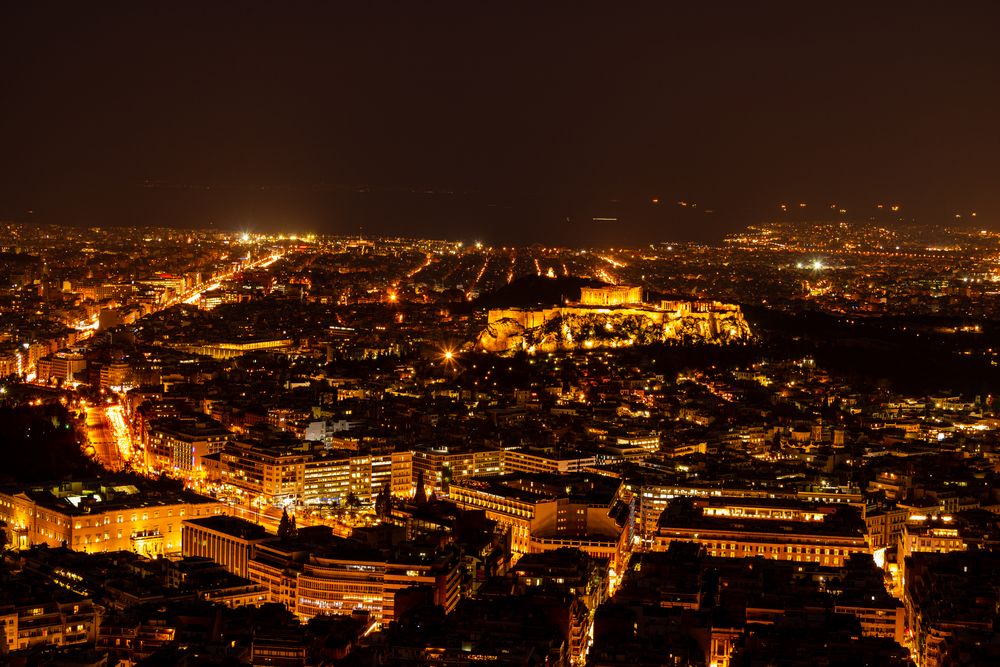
[[441, 334], [354, 436]]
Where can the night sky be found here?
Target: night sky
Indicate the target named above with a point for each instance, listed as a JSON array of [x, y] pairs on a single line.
[[511, 123]]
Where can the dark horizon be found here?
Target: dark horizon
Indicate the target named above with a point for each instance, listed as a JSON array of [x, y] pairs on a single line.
[[460, 216], [463, 121]]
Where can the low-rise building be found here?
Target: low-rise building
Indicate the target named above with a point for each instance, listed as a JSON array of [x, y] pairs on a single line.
[[227, 540], [951, 601], [310, 472], [443, 465], [335, 475], [61, 366], [549, 511], [178, 444], [774, 529], [538, 460], [923, 533], [35, 612], [319, 574], [101, 516]]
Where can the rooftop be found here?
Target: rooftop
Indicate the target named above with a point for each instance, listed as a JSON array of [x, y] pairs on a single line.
[[80, 498]]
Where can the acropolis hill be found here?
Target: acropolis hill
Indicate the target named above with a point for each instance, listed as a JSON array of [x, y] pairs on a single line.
[[611, 316]]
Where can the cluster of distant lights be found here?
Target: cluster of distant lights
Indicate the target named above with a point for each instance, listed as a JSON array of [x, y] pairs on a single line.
[[895, 208], [456, 246], [815, 265], [248, 237]]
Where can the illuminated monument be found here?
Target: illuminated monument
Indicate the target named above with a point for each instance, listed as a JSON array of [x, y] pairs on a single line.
[[611, 295], [611, 316]]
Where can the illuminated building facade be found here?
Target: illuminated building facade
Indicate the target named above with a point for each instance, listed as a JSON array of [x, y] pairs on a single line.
[[309, 472], [529, 460], [547, 512], [333, 476], [442, 465], [11, 362], [611, 295], [115, 374], [878, 618], [47, 620], [274, 472], [227, 540], [233, 349], [927, 534], [178, 444], [647, 442], [654, 498], [774, 529], [100, 517], [343, 577], [62, 366], [884, 526]]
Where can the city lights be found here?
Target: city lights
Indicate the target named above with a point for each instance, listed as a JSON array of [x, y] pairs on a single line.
[[469, 336]]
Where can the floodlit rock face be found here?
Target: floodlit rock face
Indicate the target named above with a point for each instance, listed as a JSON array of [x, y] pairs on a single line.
[[502, 335], [588, 327]]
